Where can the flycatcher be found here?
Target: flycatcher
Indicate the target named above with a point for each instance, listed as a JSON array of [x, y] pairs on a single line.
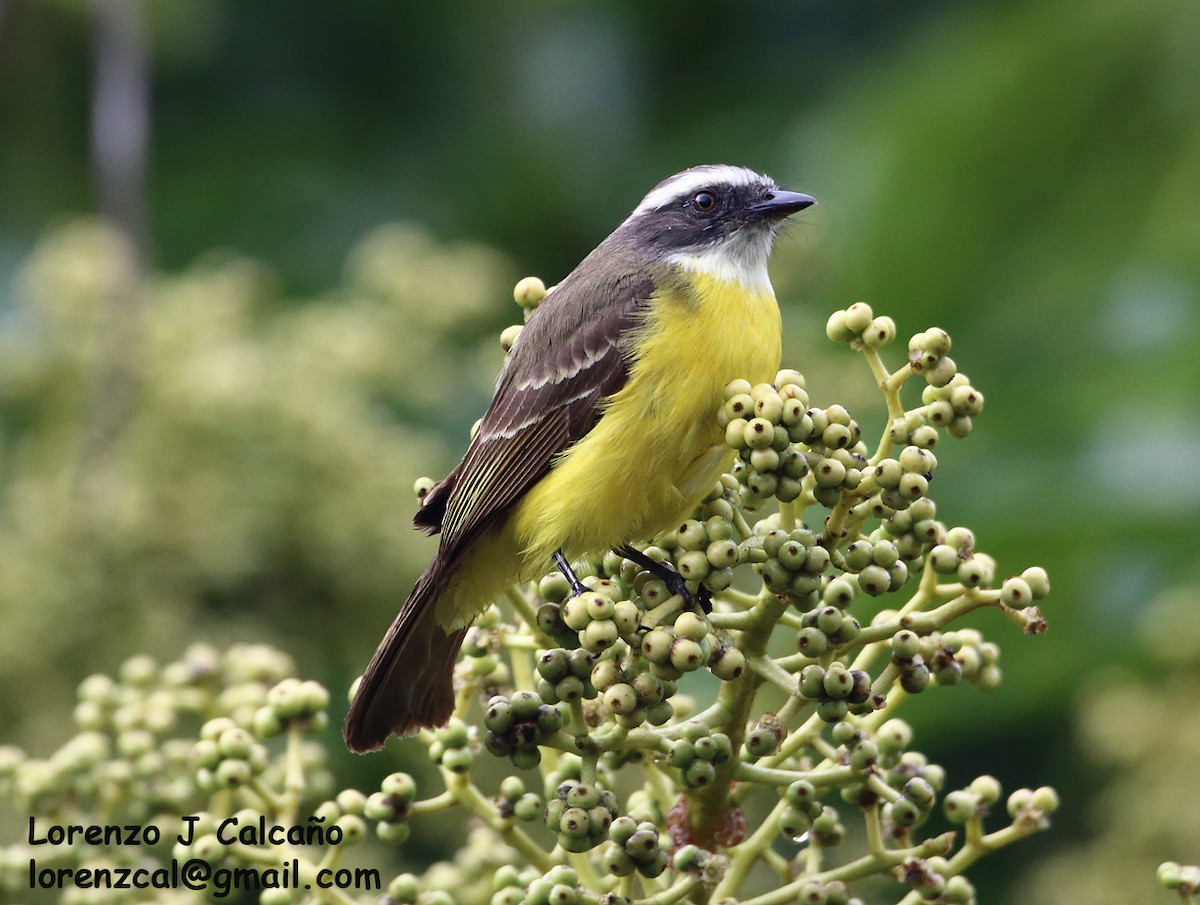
[[603, 427]]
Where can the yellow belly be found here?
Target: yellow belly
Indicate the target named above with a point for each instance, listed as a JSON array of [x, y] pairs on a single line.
[[657, 449]]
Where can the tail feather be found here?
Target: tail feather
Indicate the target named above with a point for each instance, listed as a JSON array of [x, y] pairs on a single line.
[[409, 682]]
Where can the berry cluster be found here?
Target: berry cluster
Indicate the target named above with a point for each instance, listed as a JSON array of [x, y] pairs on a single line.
[[389, 807], [514, 801], [636, 847], [697, 753], [517, 724], [565, 675], [836, 690], [227, 756], [795, 563], [581, 815], [559, 886], [762, 422], [703, 552], [451, 747]]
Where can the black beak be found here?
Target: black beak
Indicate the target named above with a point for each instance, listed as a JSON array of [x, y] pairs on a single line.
[[779, 204]]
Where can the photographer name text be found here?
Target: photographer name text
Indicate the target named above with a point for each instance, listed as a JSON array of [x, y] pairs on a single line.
[[228, 831]]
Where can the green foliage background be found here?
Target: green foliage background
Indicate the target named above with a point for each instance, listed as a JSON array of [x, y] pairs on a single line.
[[341, 197]]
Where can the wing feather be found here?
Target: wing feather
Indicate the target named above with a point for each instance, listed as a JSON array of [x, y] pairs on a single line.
[[571, 356]]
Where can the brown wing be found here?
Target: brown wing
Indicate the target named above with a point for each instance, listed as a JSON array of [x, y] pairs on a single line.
[[571, 355]]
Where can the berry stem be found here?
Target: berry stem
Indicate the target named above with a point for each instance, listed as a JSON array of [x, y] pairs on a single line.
[[769, 670], [442, 802], [521, 606], [468, 795], [743, 857], [738, 696], [857, 869]]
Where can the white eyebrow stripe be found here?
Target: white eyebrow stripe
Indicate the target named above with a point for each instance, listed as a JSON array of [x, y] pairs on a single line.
[[693, 180]]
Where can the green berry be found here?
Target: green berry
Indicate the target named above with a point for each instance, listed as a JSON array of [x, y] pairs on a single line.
[[812, 642], [687, 655], [905, 813], [893, 736], [915, 678], [693, 565], [575, 613], [858, 316], [727, 663], [920, 792], [618, 862], [620, 698], [838, 329], [986, 789], [599, 607], [1037, 580], [833, 710], [681, 753], [1016, 593], [734, 387], [759, 433], [837, 682], [915, 460], [508, 336], [905, 644], [879, 332], [233, 773], [769, 405], [944, 559], [960, 806], [827, 829], [529, 292], [913, 486], [838, 593], [656, 646], [1045, 799], [735, 433], [600, 635], [722, 553], [792, 555], [967, 401], [924, 436], [761, 742], [524, 705], [574, 822], [691, 625], [803, 796], [605, 674], [812, 681], [874, 580], [458, 760], [395, 833], [962, 539], [353, 827], [553, 666], [699, 773]]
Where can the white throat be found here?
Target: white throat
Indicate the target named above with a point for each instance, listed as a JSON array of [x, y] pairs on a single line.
[[740, 260]]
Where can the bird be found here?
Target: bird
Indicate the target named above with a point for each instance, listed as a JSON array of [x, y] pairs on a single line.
[[602, 429]]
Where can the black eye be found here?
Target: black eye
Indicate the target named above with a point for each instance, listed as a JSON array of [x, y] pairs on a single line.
[[704, 203]]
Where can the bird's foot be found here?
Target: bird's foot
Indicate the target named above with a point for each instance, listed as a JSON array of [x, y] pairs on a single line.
[[676, 584], [577, 586]]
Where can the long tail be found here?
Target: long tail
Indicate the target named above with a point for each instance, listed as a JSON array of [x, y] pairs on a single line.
[[409, 682]]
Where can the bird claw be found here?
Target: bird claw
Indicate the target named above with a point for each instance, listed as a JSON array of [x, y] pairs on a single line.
[[676, 584]]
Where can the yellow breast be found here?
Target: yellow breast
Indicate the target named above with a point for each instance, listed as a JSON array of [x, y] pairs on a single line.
[[657, 449]]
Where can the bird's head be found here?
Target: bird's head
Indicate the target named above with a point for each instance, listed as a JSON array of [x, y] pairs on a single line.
[[717, 219]]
